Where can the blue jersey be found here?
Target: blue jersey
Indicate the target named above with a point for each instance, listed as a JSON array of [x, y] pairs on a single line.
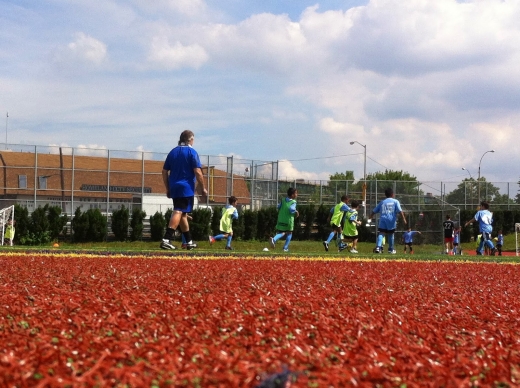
[[389, 209], [456, 237], [408, 236], [485, 220], [180, 162], [500, 239]]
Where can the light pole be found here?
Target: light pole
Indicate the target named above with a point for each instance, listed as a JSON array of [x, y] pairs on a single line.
[[471, 199], [479, 173], [364, 178], [6, 121]]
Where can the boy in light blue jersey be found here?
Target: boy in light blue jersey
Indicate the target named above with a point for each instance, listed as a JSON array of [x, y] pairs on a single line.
[[500, 242], [335, 217], [229, 213], [389, 208], [457, 248], [485, 222], [408, 239]]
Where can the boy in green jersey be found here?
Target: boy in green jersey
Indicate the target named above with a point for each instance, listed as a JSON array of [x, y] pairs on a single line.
[[229, 213], [286, 214], [335, 217], [350, 224]]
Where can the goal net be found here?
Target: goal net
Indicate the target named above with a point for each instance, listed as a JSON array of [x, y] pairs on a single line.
[[6, 214], [517, 230]]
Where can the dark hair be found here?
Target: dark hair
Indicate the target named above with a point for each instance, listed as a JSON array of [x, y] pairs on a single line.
[[344, 198], [291, 191], [186, 136], [484, 204], [389, 192], [232, 199], [354, 204], [448, 217]]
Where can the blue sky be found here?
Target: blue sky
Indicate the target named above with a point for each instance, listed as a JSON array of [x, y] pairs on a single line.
[[428, 86]]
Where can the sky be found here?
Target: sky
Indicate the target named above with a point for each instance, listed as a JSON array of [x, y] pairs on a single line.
[[427, 86]]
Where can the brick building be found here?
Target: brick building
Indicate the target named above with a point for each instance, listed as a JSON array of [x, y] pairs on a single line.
[[34, 179]]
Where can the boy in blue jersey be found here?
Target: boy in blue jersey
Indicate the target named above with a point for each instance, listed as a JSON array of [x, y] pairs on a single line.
[[408, 239], [181, 169], [389, 208], [457, 248], [485, 220], [229, 213], [500, 242], [286, 214], [335, 218]]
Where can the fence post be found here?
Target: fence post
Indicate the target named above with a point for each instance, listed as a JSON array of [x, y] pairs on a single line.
[[35, 173]]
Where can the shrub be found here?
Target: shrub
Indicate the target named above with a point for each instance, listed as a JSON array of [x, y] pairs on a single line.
[[250, 218], [215, 219], [120, 223], [157, 226], [200, 224], [21, 216], [136, 224], [57, 222], [97, 225]]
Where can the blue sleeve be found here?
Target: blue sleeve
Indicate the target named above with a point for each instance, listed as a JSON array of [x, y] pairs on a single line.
[[398, 208], [235, 215], [345, 208], [377, 209], [332, 209], [292, 208], [195, 161]]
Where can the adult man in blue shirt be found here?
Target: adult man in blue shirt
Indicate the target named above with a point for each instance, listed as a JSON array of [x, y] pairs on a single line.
[[389, 209], [182, 168]]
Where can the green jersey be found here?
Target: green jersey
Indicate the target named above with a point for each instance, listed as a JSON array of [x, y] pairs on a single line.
[[350, 229], [285, 215], [337, 213], [226, 221]]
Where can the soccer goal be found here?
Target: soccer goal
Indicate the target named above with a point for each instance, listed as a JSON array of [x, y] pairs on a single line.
[[517, 230], [6, 214]]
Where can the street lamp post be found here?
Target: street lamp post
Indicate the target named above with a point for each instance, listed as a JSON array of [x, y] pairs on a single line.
[[471, 199], [479, 173], [364, 178]]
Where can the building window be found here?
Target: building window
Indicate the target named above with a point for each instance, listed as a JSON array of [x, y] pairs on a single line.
[[22, 181], [42, 182]]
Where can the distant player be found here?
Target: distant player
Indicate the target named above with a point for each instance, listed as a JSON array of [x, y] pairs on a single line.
[[229, 213], [408, 239], [389, 209], [350, 225], [485, 221], [448, 226], [286, 214], [457, 247], [335, 217], [500, 242]]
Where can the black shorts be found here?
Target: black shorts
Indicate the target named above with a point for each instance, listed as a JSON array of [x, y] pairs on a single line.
[[409, 244], [183, 204], [386, 231]]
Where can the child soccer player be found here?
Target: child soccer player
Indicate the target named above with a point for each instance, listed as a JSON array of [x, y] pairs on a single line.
[[286, 214], [389, 209], [335, 217], [229, 213], [485, 219], [500, 242], [448, 227], [408, 239], [350, 227], [457, 248], [9, 232]]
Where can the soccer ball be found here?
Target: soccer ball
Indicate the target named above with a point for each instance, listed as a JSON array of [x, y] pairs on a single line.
[[266, 249]]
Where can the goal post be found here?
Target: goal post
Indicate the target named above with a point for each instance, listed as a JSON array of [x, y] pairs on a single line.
[[517, 231]]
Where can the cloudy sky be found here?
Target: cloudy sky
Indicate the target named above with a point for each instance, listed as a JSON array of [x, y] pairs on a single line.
[[428, 86]]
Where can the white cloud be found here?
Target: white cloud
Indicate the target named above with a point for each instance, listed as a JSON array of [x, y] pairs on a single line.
[[176, 56], [332, 126], [86, 49]]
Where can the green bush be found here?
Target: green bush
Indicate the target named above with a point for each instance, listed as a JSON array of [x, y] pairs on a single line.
[[57, 222], [89, 226], [267, 219], [136, 224], [250, 219], [157, 226], [215, 219], [200, 224], [120, 223], [21, 217]]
